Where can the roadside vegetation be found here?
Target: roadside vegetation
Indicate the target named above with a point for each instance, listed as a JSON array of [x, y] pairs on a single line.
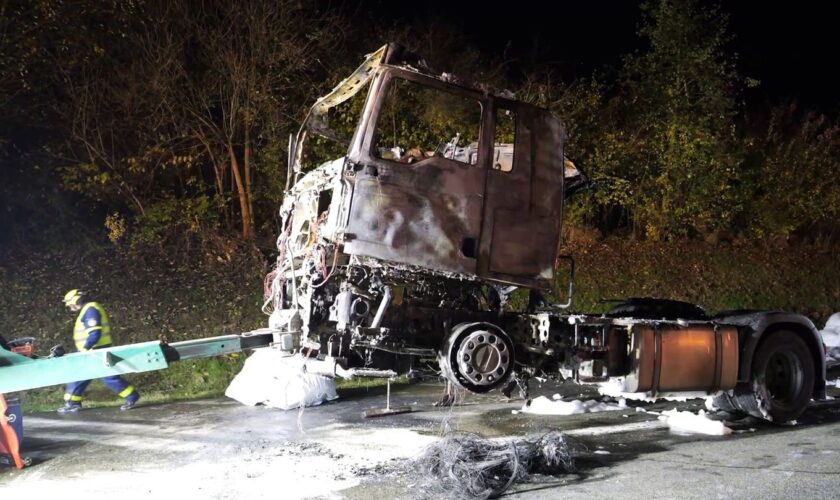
[[176, 303], [142, 155]]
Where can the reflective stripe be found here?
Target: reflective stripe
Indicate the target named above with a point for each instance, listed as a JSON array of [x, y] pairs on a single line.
[[71, 397], [88, 330], [83, 334], [128, 390]]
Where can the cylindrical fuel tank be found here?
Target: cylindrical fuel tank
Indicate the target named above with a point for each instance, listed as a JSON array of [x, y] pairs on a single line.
[[671, 358]]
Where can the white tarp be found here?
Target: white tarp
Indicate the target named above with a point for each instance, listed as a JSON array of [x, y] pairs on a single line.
[[277, 380]]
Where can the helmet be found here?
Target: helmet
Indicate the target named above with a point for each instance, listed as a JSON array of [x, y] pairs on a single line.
[[72, 297]]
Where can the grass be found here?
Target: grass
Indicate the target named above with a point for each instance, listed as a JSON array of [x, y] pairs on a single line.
[[172, 302]]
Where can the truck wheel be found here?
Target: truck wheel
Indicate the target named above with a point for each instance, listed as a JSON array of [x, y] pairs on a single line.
[[477, 357], [782, 379]]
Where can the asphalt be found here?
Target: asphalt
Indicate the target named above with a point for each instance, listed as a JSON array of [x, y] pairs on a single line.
[[221, 449]]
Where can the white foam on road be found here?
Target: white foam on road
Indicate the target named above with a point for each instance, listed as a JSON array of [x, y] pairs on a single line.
[[615, 388], [617, 429], [380, 444], [544, 406], [686, 422]]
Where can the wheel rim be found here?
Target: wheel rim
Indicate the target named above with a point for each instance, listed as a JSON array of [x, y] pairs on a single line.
[[483, 358], [783, 377]]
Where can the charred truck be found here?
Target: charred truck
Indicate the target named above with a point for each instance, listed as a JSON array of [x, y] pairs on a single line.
[[418, 204]]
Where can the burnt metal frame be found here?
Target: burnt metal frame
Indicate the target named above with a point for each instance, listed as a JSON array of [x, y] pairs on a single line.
[[525, 172], [473, 177]]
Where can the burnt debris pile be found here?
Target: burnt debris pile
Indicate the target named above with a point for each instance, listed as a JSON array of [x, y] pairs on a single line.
[[467, 465]]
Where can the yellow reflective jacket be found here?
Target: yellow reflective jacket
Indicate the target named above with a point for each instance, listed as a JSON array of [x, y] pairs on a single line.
[[85, 326]]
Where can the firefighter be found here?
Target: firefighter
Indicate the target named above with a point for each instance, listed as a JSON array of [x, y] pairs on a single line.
[[92, 331]]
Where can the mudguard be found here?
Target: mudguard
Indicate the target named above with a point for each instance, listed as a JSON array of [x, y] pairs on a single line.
[[754, 325]]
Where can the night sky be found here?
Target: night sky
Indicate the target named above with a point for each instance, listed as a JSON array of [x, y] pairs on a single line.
[[790, 48]]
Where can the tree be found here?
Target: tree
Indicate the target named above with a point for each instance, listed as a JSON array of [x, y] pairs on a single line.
[[675, 111], [795, 161], [176, 113], [252, 66]]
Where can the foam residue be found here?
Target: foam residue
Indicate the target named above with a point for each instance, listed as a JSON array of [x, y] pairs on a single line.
[[544, 406], [686, 422], [615, 388]]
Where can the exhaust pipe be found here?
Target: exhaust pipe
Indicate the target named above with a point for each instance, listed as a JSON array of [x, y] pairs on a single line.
[[383, 307]]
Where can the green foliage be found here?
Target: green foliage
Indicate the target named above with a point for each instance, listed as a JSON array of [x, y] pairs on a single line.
[[174, 219], [150, 109], [669, 151], [794, 166], [146, 109], [116, 226], [678, 104]]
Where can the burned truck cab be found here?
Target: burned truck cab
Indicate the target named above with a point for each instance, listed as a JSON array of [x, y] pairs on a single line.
[[469, 182], [418, 202], [447, 197]]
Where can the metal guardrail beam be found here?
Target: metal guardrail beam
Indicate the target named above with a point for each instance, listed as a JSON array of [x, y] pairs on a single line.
[[19, 373]]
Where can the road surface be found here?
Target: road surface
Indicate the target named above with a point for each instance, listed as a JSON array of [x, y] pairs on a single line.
[[221, 449]]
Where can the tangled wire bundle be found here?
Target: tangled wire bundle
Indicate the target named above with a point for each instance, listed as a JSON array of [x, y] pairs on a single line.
[[467, 465]]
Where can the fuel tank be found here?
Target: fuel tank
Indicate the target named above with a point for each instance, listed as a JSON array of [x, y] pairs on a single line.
[[671, 358]]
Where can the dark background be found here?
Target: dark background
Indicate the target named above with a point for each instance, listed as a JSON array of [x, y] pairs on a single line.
[[791, 48]]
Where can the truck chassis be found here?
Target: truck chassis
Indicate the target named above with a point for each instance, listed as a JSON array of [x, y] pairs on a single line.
[[417, 248], [407, 252]]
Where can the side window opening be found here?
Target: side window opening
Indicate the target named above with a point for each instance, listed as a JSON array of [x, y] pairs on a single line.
[[504, 140], [419, 122]]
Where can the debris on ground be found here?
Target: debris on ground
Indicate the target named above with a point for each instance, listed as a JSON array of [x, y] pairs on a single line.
[[686, 422], [467, 465], [277, 380]]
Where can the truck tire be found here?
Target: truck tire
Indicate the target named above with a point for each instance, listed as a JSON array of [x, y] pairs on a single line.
[[781, 380]]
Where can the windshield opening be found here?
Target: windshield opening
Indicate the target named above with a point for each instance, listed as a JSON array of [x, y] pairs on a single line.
[[418, 122]]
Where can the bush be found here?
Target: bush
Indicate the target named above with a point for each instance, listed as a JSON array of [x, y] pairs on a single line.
[[794, 186]]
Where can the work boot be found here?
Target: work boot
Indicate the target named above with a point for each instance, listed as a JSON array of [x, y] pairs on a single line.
[[69, 407], [130, 403]]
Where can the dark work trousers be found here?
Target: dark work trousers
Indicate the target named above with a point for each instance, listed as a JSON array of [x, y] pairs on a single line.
[[120, 387]]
